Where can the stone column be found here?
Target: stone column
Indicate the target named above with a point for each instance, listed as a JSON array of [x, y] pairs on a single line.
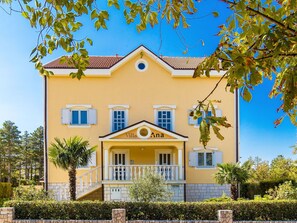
[[118, 215], [6, 215], [225, 216]]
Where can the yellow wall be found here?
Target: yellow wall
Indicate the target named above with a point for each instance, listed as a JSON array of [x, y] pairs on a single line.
[[139, 90]]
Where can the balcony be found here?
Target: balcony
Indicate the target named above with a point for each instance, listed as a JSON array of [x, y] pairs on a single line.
[[120, 173]]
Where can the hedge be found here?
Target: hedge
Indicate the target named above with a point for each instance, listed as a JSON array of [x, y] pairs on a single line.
[[5, 190], [91, 210], [249, 190]]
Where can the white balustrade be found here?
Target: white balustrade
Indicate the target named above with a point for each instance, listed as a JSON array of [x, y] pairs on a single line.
[[132, 172], [88, 181]]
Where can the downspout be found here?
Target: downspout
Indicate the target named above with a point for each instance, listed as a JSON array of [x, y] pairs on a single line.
[[237, 125], [185, 184], [102, 171], [45, 137]]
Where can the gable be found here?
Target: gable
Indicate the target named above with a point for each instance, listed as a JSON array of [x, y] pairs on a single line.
[[143, 131]]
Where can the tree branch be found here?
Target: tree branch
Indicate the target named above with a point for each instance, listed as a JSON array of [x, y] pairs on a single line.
[[265, 16]]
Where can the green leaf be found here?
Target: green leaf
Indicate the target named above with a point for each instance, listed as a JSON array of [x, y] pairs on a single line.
[[215, 14], [247, 96]]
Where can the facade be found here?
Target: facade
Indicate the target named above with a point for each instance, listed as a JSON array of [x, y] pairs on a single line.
[[136, 110]]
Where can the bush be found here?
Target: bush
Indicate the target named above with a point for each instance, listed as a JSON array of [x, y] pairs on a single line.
[[2, 201], [5, 190], [30, 193], [249, 190], [223, 198], [91, 210], [285, 191], [149, 188]]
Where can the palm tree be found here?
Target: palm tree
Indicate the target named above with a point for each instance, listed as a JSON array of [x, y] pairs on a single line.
[[69, 154], [233, 174]]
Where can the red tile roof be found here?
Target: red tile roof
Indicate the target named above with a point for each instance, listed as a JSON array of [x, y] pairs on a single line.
[[106, 62]]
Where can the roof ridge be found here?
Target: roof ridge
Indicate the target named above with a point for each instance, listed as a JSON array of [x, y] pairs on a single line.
[[105, 56]]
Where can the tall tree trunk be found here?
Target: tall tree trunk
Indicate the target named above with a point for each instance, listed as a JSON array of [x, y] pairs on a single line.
[[234, 194], [72, 183]]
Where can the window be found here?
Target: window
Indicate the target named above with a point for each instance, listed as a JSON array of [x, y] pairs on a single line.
[[205, 159], [79, 115], [196, 122], [141, 65], [118, 120], [165, 116], [118, 117], [164, 119]]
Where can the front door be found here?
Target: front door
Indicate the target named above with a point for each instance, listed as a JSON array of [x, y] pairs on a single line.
[[165, 160], [120, 172]]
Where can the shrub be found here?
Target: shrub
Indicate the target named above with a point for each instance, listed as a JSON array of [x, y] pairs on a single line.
[[150, 187], [285, 191], [249, 190], [91, 210], [5, 190], [2, 201], [30, 193], [223, 198]]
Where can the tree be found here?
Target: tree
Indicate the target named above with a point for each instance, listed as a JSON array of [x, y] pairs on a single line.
[[233, 174], [258, 41], [283, 169], [10, 147], [259, 169], [149, 188], [69, 154], [36, 144], [26, 158]]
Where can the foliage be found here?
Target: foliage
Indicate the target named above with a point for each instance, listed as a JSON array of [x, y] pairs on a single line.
[[21, 156], [2, 201], [9, 148], [233, 174], [5, 190], [250, 190], [223, 198], [30, 193], [70, 154], [149, 188], [285, 191], [279, 170], [259, 41], [94, 210]]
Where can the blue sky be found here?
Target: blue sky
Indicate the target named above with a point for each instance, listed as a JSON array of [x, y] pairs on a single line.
[[21, 88]]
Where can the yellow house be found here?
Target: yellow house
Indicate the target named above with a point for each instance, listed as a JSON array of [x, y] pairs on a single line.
[[136, 109]]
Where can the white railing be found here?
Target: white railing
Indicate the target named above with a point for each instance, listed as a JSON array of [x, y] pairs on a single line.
[[132, 172], [88, 181]]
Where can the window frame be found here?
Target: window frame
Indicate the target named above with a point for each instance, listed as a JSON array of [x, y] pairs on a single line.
[[125, 109], [171, 109], [205, 159]]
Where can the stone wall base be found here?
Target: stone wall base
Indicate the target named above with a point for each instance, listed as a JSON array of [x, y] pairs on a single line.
[[199, 192]]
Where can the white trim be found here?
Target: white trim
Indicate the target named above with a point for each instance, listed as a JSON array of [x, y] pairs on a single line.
[[78, 105], [142, 140], [177, 137], [208, 148], [87, 72], [141, 61], [164, 106], [163, 151], [149, 132], [79, 126], [189, 73], [118, 106]]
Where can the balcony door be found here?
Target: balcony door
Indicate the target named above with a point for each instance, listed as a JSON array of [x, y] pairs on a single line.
[[120, 168], [165, 160]]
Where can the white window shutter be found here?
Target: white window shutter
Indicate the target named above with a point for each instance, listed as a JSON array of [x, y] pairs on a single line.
[[66, 116], [93, 160], [92, 116], [218, 157], [218, 113], [191, 120], [193, 159]]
